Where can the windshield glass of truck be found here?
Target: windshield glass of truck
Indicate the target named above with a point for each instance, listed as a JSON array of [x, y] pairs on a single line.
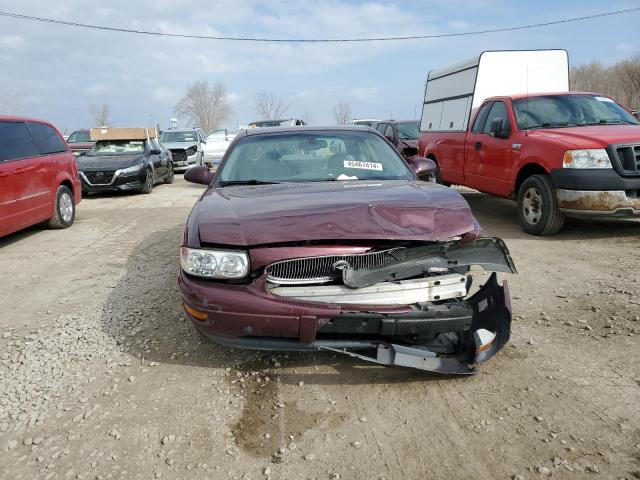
[[557, 111], [408, 131], [118, 147], [312, 157]]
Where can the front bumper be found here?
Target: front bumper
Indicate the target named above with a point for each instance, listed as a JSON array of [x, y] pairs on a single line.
[[247, 316], [190, 161], [118, 183], [613, 203]]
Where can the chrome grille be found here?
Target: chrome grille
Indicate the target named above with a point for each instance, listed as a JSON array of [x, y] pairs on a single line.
[[102, 177], [325, 269]]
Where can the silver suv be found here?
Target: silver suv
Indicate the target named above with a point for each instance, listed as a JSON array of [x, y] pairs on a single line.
[[186, 146]]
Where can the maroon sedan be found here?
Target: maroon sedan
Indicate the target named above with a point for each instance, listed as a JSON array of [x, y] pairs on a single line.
[[314, 238]]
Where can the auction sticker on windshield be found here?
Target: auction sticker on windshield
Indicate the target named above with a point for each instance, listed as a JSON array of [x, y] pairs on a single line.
[[363, 165]]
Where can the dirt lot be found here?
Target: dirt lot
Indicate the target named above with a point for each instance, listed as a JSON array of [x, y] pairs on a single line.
[[102, 377]]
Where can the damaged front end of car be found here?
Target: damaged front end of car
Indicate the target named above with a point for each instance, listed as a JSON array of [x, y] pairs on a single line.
[[409, 304]]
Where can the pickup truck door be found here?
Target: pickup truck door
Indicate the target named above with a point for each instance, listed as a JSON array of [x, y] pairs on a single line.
[[489, 157]]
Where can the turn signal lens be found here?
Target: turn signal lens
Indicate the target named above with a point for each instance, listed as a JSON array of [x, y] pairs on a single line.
[[202, 316]]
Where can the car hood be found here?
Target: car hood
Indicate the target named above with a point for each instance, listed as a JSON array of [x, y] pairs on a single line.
[[81, 145], [108, 162], [376, 210], [596, 136], [409, 142], [180, 145]]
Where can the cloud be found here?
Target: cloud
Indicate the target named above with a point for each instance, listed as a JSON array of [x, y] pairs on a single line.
[[12, 41]]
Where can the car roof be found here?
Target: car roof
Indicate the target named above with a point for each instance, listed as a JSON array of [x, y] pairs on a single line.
[[305, 128], [14, 118], [180, 130], [545, 94]]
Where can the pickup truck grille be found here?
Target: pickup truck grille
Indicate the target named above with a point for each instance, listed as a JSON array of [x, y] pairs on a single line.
[[325, 269], [102, 177], [178, 155], [628, 159]]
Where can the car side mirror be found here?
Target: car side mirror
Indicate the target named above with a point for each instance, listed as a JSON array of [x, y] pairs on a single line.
[[497, 129], [155, 151], [82, 154], [421, 166], [200, 174]]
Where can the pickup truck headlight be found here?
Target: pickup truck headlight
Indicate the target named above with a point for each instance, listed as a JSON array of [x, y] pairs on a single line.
[[214, 263], [591, 158], [130, 170]]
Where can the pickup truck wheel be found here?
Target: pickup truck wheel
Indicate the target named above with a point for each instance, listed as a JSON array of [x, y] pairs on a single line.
[[65, 209], [147, 186], [538, 208], [436, 176]]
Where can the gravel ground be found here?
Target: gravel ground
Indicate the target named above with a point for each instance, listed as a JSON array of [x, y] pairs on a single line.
[[103, 377]]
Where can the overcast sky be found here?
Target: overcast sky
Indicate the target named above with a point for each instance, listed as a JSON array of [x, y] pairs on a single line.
[[55, 72]]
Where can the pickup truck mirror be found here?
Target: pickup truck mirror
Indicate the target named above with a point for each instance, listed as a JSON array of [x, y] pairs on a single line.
[[421, 166], [497, 130], [200, 174]]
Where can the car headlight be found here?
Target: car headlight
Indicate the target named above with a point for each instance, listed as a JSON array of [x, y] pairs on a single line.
[[192, 151], [591, 158], [130, 170], [214, 263]]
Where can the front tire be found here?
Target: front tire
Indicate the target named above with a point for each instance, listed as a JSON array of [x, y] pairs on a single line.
[[64, 209], [538, 207], [170, 176], [147, 186]]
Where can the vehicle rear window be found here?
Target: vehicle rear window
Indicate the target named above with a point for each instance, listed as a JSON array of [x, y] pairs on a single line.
[[79, 136], [16, 141], [46, 138]]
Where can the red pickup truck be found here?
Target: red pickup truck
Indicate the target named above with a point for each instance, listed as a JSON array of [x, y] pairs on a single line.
[[557, 154]]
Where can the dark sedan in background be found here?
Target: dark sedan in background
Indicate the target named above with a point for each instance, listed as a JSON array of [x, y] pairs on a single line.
[[324, 239], [125, 165]]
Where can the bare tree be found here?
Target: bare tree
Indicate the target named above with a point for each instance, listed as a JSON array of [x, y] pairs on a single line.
[[205, 106], [269, 106], [620, 81], [99, 115], [306, 118], [342, 113]]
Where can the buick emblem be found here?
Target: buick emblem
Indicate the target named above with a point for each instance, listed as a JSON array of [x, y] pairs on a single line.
[[341, 265]]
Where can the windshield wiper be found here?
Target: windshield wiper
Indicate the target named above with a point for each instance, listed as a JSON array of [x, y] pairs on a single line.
[[555, 125], [247, 182], [610, 121]]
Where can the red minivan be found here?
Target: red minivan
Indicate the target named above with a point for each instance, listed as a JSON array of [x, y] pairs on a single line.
[[38, 176]]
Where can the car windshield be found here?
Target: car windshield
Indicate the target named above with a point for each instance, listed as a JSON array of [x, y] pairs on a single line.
[[79, 136], [312, 157], [117, 147], [557, 111], [408, 131], [177, 137]]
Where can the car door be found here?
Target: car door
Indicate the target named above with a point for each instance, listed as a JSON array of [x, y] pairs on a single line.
[[52, 149], [488, 157], [18, 185], [159, 166]]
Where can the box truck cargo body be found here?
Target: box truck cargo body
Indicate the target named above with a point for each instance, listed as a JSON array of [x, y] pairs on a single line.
[[452, 93]]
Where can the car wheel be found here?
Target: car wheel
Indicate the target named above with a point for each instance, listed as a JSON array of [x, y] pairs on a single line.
[[64, 209], [538, 207], [147, 186], [170, 176], [436, 176]]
